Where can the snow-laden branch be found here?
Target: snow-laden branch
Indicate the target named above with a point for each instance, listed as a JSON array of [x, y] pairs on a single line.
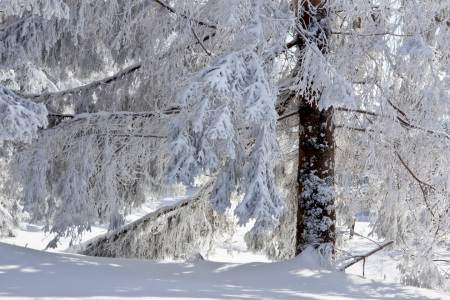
[[20, 119], [174, 231]]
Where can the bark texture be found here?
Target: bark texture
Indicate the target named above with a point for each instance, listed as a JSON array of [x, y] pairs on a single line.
[[316, 212]]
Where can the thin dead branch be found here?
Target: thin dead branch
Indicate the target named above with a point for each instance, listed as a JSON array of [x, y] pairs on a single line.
[[363, 257]]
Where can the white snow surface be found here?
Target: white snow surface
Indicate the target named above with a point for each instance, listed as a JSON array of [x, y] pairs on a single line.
[[28, 272], [32, 274]]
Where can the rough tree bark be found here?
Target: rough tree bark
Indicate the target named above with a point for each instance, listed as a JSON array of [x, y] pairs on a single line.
[[316, 212]]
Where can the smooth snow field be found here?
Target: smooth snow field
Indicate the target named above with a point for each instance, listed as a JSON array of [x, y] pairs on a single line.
[[32, 274], [28, 272]]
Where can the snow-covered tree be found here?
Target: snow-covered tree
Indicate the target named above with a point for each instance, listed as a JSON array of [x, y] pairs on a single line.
[[287, 104]]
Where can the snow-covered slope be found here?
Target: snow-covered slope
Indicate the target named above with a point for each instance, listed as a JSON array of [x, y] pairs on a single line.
[[32, 274]]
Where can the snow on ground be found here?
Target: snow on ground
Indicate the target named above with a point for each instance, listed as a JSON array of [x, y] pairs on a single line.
[[27, 272], [31, 274]]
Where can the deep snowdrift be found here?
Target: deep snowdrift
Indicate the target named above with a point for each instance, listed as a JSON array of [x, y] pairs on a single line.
[[27, 273]]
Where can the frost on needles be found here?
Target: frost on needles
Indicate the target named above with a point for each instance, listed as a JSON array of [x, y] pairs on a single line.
[[20, 119], [234, 95]]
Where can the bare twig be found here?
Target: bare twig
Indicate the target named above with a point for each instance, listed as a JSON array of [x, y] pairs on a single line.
[[352, 128], [421, 184], [184, 16], [287, 115], [200, 42], [361, 111]]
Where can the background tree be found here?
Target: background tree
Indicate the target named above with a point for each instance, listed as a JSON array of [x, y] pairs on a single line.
[[144, 89]]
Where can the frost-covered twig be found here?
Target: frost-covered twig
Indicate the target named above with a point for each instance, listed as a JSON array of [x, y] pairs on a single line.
[[94, 84]]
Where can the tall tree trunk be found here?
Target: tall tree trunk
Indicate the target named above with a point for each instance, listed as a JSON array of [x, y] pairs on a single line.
[[316, 212]]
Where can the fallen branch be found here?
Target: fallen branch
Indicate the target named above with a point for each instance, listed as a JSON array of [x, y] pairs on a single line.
[[363, 257]]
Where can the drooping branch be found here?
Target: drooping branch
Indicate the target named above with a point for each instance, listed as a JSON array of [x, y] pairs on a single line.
[[174, 231], [102, 246], [421, 183], [412, 173]]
